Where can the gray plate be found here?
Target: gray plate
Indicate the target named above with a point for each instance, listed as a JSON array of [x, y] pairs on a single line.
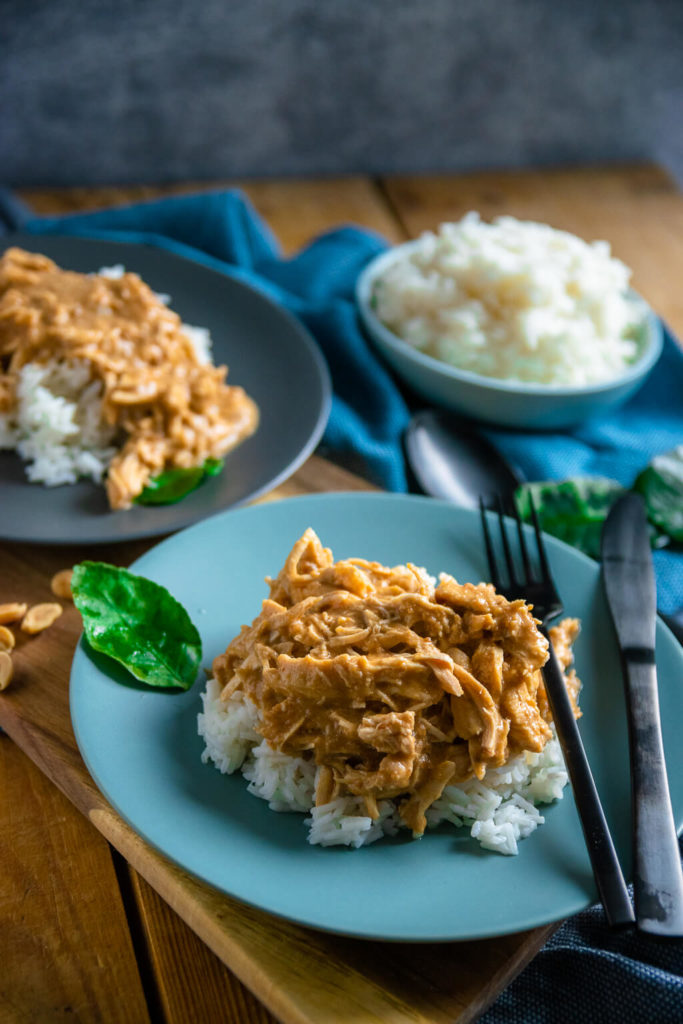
[[268, 353]]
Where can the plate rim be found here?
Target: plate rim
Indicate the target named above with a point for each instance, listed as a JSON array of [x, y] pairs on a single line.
[[306, 338]]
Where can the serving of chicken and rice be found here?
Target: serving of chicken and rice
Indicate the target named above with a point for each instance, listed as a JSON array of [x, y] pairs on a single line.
[[376, 698]]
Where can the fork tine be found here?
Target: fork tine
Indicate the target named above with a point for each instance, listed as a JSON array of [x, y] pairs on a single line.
[[542, 557], [490, 554], [522, 542], [512, 577]]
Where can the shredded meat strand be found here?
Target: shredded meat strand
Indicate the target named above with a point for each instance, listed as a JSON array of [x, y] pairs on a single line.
[[170, 409], [394, 687]]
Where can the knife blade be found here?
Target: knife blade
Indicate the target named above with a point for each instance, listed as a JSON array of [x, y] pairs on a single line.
[[629, 582]]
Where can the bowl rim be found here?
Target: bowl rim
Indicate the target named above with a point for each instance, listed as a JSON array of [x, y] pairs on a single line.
[[654, 340]]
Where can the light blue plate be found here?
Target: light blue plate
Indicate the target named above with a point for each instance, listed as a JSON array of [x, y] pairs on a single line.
[[143, 751]]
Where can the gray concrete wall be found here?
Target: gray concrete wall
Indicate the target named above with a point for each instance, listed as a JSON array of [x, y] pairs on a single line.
[[152, 90]]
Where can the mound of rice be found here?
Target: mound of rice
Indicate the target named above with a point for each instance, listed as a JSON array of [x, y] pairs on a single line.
[[513, 300], [498, 812], [57, 425]]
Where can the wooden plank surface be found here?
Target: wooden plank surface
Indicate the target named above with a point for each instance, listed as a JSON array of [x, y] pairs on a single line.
[[302, 976], [66, 948], [296, 210], [192, 981]]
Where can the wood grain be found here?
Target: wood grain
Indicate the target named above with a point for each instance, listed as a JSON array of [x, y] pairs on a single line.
[[296, 210], [194, 983], [638, 209], [65, 949]]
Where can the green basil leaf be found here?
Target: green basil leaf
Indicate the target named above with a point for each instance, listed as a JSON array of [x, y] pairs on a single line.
[[661, 485], [138, 623], [212, 467], [573, 510], [174, 484]]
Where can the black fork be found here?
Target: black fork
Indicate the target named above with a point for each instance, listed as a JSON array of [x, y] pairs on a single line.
[[535, 584]]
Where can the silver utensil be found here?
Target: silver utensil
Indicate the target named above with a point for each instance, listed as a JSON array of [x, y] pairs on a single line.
[[629, 582], [449, 460], [535, 585]]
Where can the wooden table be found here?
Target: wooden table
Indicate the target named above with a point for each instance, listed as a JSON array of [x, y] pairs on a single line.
[[83, 937]]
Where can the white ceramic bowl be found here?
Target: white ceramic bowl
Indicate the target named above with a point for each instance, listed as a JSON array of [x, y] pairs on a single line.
[[505, 403]]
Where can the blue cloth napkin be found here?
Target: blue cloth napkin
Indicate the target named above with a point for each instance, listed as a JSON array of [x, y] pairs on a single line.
[[586, 972]]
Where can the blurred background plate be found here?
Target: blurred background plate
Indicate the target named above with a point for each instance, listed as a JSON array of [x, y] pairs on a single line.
[[267, 352]]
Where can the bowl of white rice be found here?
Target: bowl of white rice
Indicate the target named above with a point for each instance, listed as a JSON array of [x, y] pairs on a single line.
[[512, 323]]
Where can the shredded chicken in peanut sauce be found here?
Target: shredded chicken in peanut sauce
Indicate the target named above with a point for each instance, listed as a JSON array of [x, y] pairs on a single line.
[[171, 409], [395, 687]]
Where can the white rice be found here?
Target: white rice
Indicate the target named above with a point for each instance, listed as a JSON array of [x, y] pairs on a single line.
[[228, 728], [56, 425], [498, 812], [514, 300], [201, 341], [113, 273], [287, 783]]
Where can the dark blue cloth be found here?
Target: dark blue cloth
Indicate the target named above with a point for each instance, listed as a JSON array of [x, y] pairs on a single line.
[[586, 973]]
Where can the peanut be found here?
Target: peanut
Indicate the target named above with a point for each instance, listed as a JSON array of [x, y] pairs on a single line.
[[11, 612], [40, 616], [7, 640], [6, 670], [61, 584]]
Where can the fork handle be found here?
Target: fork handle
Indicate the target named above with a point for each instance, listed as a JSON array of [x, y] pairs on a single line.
[[606, 868]]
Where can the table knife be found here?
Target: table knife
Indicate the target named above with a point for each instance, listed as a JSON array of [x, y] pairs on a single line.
[[629, 582]]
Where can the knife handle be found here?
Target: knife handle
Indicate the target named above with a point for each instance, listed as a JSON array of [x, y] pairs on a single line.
[[606, 868], [658, 878]]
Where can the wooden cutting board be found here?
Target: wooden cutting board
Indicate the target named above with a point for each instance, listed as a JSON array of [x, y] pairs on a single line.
[[302, 976]]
